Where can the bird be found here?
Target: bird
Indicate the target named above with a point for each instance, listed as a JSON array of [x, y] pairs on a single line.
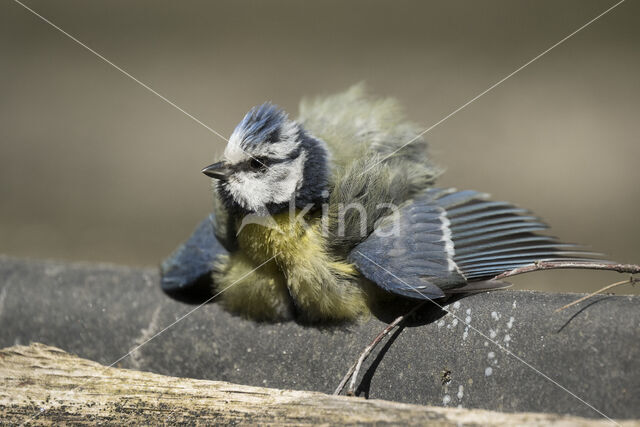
[[322, 217]]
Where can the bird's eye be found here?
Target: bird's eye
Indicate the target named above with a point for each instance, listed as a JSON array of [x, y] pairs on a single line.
[[256, 164]]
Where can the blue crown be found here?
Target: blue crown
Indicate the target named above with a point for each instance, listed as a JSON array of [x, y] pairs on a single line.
[[261, 124]]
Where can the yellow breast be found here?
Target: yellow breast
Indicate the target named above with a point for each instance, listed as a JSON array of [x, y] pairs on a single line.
[[323, 288]]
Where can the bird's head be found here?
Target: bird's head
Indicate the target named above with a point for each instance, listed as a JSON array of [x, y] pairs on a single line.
[[269, 162]]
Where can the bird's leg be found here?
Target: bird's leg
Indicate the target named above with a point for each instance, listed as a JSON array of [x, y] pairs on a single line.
[[354, 370]]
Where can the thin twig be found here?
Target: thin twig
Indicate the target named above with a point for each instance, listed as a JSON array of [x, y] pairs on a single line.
[[344, 380], [587, 265], [365, 353], [630, 280], [355, 368]]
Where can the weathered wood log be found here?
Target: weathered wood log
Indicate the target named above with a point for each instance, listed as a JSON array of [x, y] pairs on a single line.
[[45, 385]]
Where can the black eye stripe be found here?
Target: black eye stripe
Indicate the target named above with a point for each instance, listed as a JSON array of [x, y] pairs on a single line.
[[256, 164], [262, 163]]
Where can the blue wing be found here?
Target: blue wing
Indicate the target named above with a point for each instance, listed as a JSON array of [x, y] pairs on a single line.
[[186, 273], [447, 241]]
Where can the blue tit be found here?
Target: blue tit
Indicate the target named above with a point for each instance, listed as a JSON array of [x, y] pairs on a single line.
[[322, 217]]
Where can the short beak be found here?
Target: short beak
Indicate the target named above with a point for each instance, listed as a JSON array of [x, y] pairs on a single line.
[[217, 171]]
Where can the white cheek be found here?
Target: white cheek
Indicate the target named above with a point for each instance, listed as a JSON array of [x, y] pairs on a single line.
[[250, 192], [278, 184]]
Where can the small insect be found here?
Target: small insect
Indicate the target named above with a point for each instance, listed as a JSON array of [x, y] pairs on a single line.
[[445, 377], [322, 217]]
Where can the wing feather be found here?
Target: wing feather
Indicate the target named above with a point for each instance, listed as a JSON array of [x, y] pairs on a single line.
[[447, 240]]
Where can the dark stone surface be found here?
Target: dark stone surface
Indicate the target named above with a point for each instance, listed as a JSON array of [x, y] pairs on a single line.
[[101, 312]]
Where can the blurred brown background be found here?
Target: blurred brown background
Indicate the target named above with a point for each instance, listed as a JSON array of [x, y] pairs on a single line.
[[94, 167]]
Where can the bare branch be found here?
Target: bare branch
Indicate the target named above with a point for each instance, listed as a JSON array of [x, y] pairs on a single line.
[[585, 265]]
